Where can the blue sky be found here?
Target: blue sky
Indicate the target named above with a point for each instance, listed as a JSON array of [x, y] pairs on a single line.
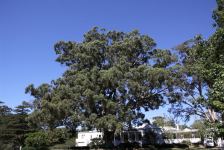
[[29, 29]]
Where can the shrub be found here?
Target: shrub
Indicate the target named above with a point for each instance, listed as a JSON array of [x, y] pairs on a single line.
[[6, 146], [96, 143], [186, 142], [37, 139], [45, 139], [57, 136]]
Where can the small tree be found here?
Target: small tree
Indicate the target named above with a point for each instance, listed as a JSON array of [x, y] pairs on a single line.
[[201, 126]]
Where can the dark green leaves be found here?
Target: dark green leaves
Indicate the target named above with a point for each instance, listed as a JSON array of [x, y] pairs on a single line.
[[111, 77]]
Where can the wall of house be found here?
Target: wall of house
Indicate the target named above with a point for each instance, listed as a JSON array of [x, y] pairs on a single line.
[[84, 138]]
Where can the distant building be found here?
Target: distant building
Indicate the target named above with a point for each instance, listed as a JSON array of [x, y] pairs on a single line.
[[144, 134], [85, 138], [176, 135]]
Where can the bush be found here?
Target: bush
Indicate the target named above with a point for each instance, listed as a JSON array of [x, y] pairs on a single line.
[[186, 142], [37, 139], [45, 139], [57, 136], [96, 143], [6, 146]]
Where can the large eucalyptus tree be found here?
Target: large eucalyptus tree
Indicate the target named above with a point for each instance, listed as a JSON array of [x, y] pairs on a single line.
[[111, 79]]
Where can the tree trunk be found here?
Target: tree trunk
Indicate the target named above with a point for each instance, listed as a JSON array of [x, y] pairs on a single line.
[[222, 117], [211, 115]]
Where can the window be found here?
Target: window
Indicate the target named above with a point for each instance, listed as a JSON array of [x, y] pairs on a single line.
[[132, 136], [83, 135], [125, 134], [139, 136]]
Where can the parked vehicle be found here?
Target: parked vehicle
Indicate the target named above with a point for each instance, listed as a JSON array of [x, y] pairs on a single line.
[[209, 142]]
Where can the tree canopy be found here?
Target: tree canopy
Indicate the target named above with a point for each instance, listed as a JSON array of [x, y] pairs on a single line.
[[13, 126], [111, 78], [162, 121]]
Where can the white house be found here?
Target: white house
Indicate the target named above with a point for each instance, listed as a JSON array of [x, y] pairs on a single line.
[[85, 138], [179, 135], [144, 134]]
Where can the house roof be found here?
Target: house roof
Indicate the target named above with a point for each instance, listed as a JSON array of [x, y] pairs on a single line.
[[146, 126], [174, 130]]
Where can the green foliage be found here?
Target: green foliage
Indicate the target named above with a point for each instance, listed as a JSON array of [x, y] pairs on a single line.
[[199, 124], [13, 125], [8, 146], [200, 82], [199, 75], [37, 139], [4, 110], [190, 80], [110, 78], [162, 121], [58, 136], [46, 138], [186, 142], [216, 69], [96, 143], [34, 148], [216, 94], [113, 76], [218, 14]]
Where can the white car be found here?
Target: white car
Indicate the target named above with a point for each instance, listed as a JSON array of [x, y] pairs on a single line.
[[209, 143]]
